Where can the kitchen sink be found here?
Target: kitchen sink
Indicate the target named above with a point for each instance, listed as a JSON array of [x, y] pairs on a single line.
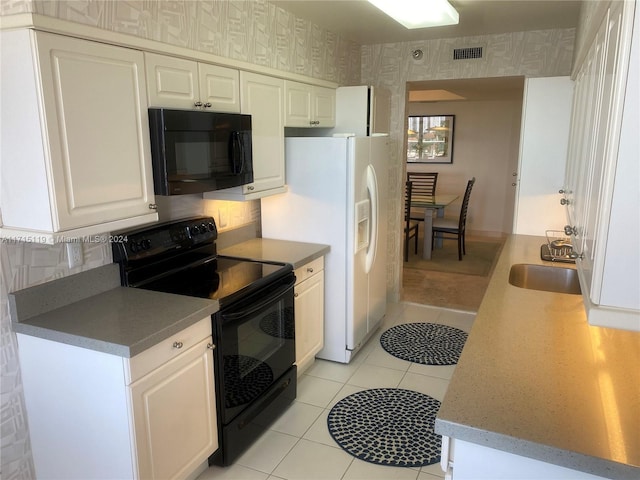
[[545, 278]]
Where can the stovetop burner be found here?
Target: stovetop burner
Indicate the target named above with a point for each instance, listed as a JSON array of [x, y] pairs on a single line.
[[180, 257]]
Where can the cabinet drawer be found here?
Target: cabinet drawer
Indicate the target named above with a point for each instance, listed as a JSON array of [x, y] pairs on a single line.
[[164, 351], [309, 269]]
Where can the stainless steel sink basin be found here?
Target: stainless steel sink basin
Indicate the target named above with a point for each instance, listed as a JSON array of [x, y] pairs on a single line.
[[545, 278]]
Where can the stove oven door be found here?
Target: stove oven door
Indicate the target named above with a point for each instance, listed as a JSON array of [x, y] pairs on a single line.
[[255, 347]]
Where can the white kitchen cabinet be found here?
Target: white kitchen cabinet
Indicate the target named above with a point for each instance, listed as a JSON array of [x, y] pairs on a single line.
[[97, 415], [179, 83], [463, 460], [309, 312], [75, 138], [309, 105], [262, 97], [601, 189]]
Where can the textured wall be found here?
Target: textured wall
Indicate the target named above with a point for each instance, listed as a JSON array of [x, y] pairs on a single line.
[[545, 53], [252, 31]]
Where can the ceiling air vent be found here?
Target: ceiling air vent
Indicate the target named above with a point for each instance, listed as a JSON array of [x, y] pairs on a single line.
[[467, 53]]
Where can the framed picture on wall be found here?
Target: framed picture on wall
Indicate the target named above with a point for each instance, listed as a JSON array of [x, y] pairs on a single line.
[[430, 139]]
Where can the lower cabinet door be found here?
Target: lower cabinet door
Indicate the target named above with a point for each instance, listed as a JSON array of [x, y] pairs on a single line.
[[174, 415], [309, 311]]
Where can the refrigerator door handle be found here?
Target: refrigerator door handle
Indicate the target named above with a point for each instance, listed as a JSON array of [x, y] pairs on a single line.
[[372, 190]]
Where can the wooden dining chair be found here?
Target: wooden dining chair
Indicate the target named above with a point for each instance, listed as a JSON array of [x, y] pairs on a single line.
[[454, 228], [424, 185], [411, 227]]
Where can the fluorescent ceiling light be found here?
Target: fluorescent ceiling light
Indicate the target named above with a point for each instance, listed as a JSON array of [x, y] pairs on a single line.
[[419, 13]]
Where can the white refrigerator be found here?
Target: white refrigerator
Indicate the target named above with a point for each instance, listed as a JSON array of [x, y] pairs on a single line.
[[337, 195]]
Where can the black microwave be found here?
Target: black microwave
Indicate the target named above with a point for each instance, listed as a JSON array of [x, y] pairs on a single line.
[[194, 151]]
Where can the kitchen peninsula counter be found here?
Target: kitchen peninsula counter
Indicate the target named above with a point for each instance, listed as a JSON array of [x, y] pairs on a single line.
[[91, 310], [272, 250], [536, 380]]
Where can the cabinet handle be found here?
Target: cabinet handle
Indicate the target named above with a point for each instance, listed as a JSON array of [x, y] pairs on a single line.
[[310, 270], [207, 105], [177, 345], [197, 104], [564, 201], [211, 346], [250, 187], [153, 206], [295, 295], [570, 230], [561, 191]]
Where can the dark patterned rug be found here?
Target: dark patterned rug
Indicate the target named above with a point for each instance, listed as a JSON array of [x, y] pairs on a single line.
[[425, 343], [387, 426]]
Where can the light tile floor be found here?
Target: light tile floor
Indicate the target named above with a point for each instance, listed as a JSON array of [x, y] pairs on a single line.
[[298, 445]]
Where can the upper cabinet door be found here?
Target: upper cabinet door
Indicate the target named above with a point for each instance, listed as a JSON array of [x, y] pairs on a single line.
[[96, 115], [178, 83], [309, 105], [220, 88], [76, 151], [602, 171], [263, 98], [173, 82], [298, 104], [324, 106]]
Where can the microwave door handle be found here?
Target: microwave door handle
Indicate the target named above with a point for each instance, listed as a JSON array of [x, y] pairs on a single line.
[[237, 153], [256, 307], [243, 157]]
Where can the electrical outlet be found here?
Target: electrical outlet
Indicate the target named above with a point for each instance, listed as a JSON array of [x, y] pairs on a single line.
[[75, 254]]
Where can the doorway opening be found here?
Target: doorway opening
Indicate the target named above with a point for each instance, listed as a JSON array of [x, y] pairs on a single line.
[[488, 114]]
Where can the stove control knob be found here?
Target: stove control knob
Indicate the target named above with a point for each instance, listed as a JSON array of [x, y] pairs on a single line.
[[211, 226], [195, 230], [145, 244], [203, 228], [134, 247]]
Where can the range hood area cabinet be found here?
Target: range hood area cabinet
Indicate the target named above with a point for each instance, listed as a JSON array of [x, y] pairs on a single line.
[[601, 182], [75, 151], [181, 83]]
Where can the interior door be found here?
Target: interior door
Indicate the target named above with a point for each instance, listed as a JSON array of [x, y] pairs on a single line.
[[543, 151]]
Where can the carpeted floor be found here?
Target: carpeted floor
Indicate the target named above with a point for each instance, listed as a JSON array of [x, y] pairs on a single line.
[[446, 282]]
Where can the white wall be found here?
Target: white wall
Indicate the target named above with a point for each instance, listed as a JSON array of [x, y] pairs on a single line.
[[483, 147]]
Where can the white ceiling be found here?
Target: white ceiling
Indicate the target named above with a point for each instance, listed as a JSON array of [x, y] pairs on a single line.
[[361, 22]]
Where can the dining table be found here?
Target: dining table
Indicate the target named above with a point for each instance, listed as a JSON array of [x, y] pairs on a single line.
[[431, 203]]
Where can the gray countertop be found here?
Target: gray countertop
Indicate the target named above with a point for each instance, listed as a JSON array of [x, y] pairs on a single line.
[[91, 310], [271, 250], [535, 379]]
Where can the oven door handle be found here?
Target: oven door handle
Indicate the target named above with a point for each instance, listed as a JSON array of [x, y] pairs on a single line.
[[256, 307]]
